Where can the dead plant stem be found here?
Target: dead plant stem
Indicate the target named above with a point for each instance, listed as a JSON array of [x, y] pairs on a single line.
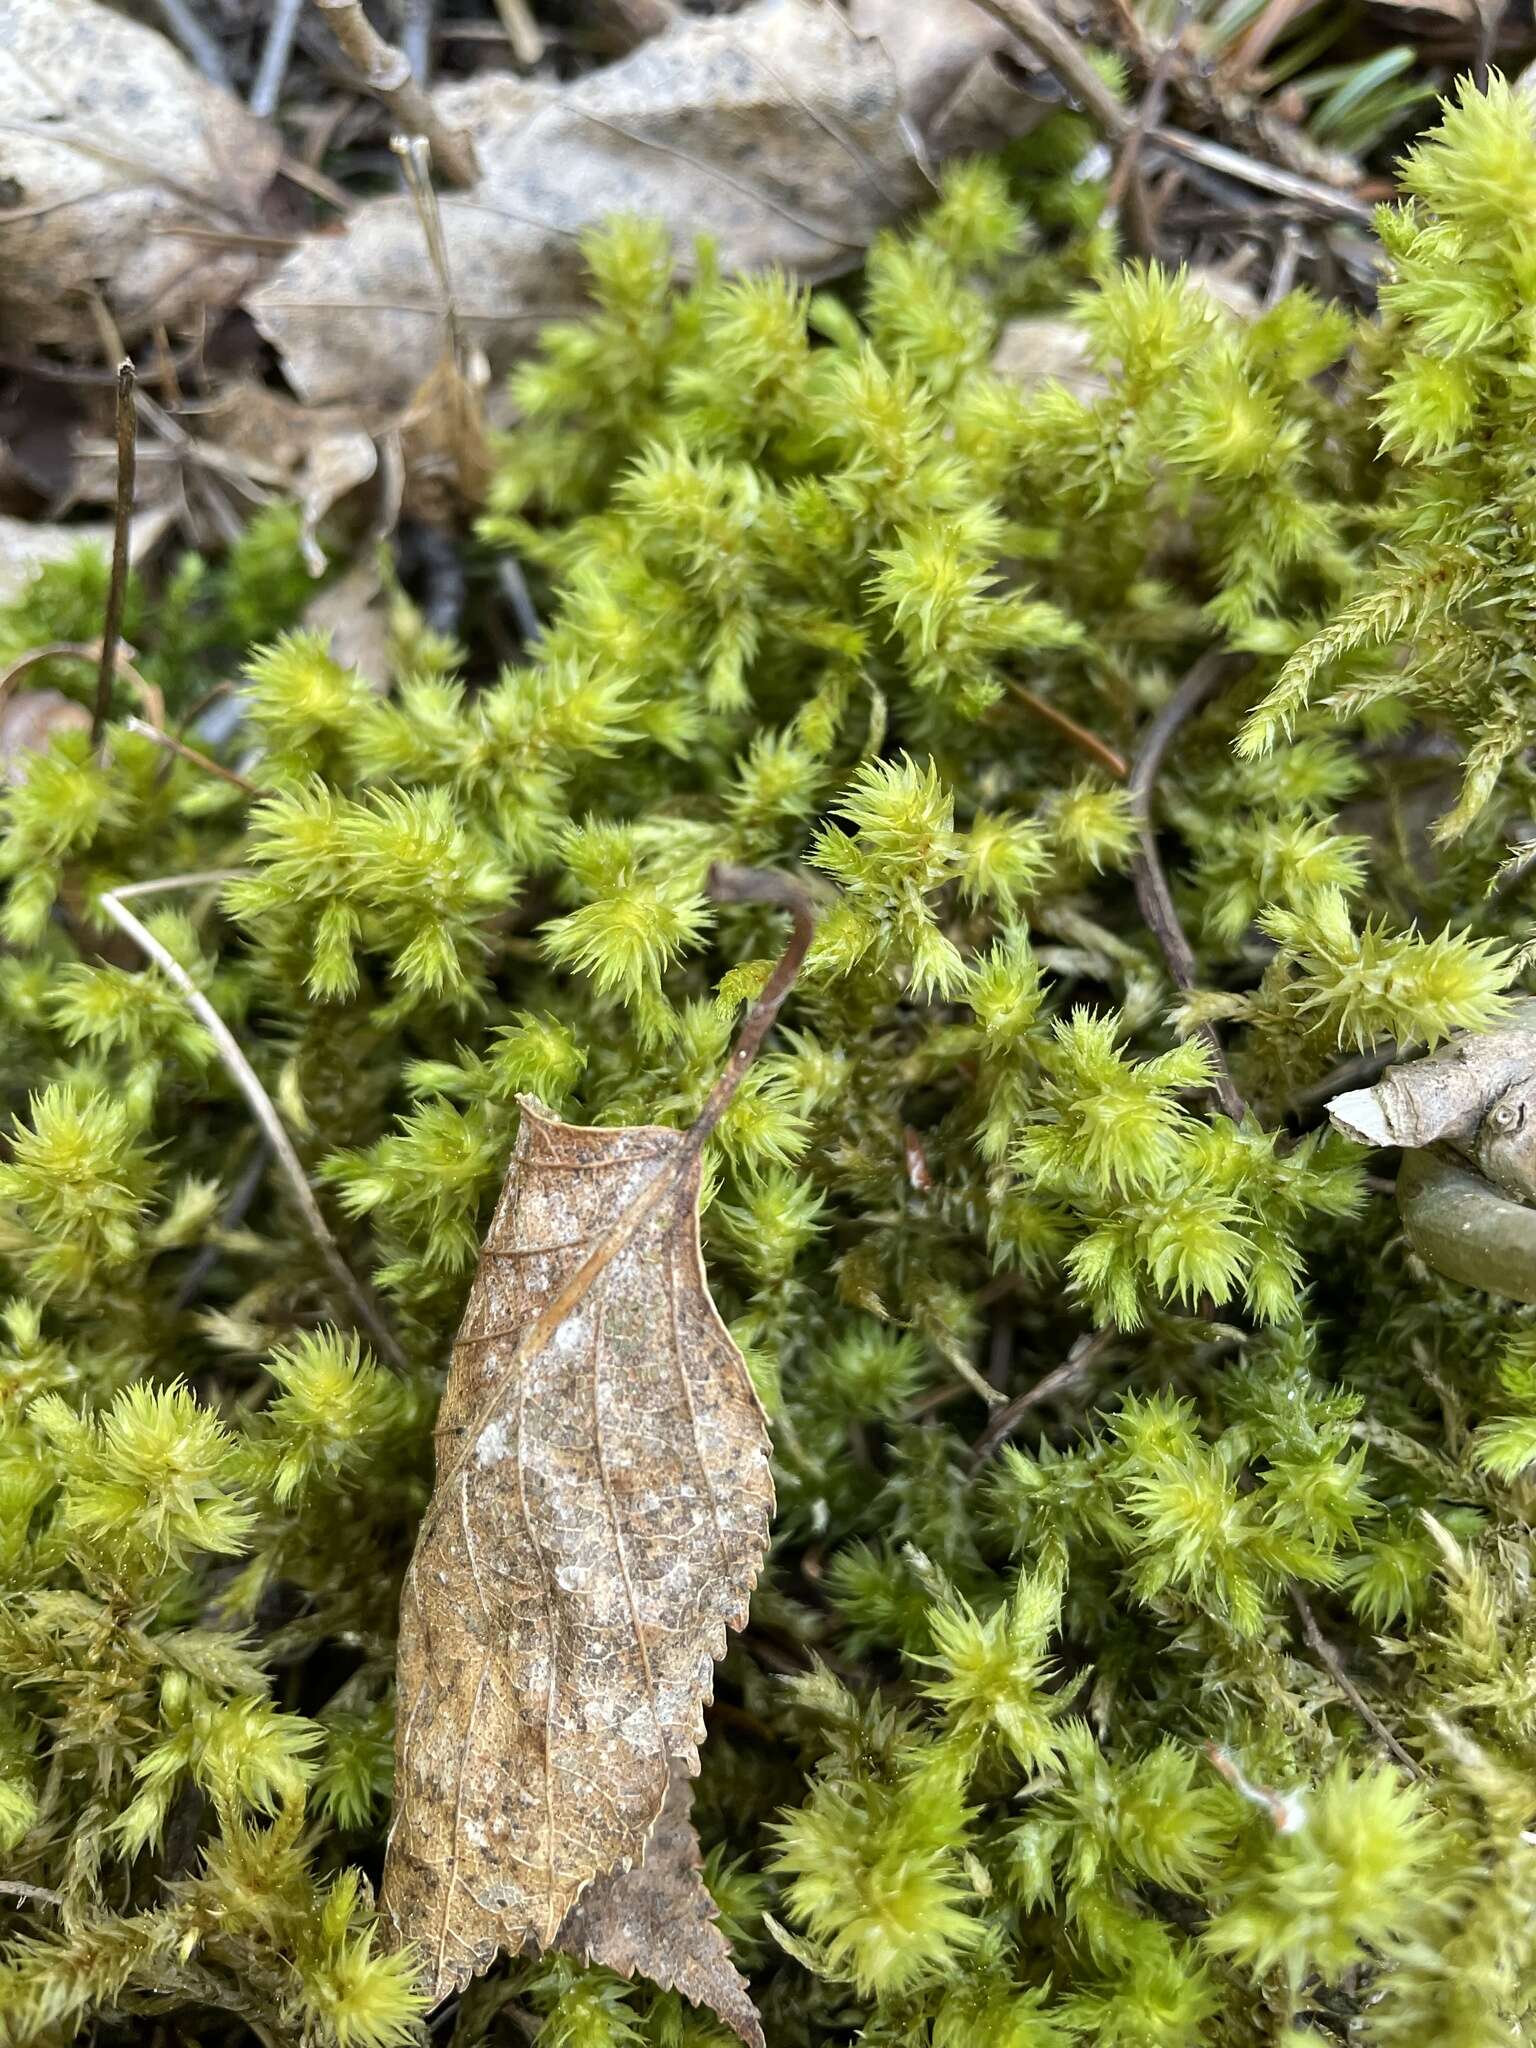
[[113, 901], [1147, 874], [387, 74], [111, 633]]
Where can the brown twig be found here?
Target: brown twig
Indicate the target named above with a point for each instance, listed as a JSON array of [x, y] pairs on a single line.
[[1347, 1686], [1079, 735], [1081, 1359], [386, 72], [1055, 46], [365, 1308], [1359, 1072], [127, 444], [1147, 874]]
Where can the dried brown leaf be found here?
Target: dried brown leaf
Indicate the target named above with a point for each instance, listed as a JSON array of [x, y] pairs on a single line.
[[658, 1921], [444, 441], [600, 1515], [109, 141], [777, 131]]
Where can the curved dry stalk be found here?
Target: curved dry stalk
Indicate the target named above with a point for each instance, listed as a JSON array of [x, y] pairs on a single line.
[[368, 1314], [88, 651], [1079, 735]]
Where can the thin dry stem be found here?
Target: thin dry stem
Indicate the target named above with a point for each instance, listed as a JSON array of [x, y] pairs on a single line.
[[366, 1309], [127, 447], [1152, 891], [1347, 1686], [1080, 1360], [1057, 47], [386, 72], [275, 52], [523, 32], [1080, 736], [191, 754], [29, 1894], [203, 48], [55, 650]]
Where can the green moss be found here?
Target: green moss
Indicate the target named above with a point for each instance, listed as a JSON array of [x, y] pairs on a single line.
[[1081, 1741]]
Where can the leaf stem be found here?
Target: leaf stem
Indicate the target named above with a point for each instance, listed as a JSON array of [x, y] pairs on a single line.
[[756, 885], [1079, 1361]]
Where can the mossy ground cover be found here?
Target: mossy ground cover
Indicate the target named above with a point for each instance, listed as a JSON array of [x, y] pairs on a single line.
[[1201, 1710]]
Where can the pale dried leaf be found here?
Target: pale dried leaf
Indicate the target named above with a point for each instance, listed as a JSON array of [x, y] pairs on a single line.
[[28, 721], [336, 464], [933, 48], [352, 614], [109, 141], [599, 1519], [777, 131], [1042, 349], [27, 544], [658, 1921]]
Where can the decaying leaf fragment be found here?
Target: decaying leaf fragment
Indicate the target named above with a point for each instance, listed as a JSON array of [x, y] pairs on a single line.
[[109, 143], [659, 1920], [599, 1519], [777, 131]]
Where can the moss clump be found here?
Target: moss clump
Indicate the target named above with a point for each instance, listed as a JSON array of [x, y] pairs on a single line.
[[1201, 1712]]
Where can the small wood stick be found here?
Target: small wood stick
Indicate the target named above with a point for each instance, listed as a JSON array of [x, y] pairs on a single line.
[[1056, 46], [387, 75], [1097, 749], [366, 1309], [29, 1894], [127, 453]]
